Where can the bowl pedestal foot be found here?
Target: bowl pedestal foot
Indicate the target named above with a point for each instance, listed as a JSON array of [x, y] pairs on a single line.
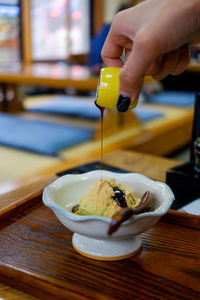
[[107, 249]]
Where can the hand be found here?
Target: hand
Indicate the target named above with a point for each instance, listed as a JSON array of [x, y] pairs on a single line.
[[154, 37]]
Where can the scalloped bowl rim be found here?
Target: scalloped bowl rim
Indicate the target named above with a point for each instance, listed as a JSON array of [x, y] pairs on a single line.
[[160, 211]]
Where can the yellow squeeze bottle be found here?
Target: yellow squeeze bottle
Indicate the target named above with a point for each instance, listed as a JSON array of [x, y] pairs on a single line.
[[108, 88]]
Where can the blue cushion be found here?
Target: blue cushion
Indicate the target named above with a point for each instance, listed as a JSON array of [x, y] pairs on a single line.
[[173, 98], [97, 45], [40, 136], [72, 106], [145, 114], [85, 108]]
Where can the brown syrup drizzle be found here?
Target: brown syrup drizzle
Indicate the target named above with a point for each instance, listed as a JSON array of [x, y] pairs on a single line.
[[102, 109], [119, 196]]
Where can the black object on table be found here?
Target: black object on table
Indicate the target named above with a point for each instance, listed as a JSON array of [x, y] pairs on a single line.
[[184, 180], [96, 165]]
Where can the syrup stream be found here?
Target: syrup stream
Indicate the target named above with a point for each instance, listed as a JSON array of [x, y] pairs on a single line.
[[102, 109]]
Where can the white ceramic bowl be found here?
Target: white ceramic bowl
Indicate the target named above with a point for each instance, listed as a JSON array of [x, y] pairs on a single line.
[[90, 236]]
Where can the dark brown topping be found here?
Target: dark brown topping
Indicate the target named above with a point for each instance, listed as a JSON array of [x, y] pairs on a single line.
[[119, 197], [75, 208]]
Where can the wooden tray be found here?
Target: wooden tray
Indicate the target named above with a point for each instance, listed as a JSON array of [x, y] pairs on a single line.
[[36, 256]]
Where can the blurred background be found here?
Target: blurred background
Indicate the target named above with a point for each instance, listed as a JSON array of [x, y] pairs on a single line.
[[49, 67]]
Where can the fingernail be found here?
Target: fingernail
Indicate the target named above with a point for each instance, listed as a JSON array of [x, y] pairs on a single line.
[[123, 103], [125, 94]]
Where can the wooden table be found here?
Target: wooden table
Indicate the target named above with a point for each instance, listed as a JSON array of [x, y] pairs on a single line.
[[36, 255], [56, 75]]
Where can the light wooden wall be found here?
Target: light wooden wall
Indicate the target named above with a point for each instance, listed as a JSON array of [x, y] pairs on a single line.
[[111, 6], [26, 30]]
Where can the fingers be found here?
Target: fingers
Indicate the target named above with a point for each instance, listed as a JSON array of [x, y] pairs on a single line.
[[134, 70], [173, 63], [184, 60], [113, 54], [155, 66], [112, 50], [168, 64]]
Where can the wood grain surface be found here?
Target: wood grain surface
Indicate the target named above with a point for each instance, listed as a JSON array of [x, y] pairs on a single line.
[[37, 256], [10, 201]]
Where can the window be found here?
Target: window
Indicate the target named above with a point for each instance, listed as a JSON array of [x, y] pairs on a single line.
[[9, 31], [59, 28]]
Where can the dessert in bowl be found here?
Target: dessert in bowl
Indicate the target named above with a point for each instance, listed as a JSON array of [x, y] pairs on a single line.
[[90, 232]]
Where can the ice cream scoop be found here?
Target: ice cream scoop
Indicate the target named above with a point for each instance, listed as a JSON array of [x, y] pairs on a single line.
[[125, 213], [105, 197]]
